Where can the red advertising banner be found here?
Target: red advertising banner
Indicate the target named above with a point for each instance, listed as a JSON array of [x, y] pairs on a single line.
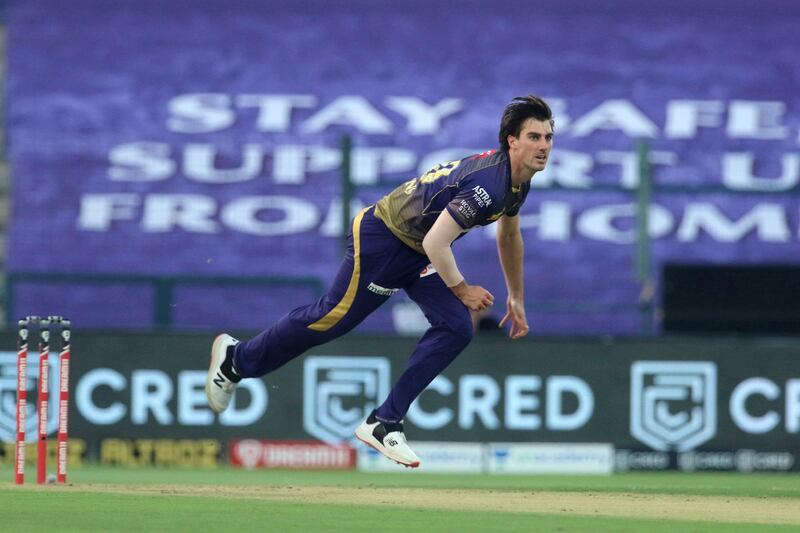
[[291, 454]]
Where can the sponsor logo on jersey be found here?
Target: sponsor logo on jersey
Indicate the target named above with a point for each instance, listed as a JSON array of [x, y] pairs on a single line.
[[481, 196], [467, 209], [427, 271], [383, 291]]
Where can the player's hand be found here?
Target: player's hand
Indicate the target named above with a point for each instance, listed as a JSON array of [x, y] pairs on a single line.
[[475, 297], [515, 312]]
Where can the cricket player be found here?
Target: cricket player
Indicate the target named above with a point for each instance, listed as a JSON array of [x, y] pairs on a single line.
[[404, 242]]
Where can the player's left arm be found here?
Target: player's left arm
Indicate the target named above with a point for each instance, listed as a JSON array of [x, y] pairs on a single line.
[[510, 249]]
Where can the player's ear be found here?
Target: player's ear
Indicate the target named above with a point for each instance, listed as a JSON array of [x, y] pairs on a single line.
[[511, 140]]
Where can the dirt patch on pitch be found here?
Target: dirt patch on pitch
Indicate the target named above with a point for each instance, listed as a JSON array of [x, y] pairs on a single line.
[[646, 506]]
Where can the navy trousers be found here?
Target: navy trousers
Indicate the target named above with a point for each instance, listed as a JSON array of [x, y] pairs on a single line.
[[375, 264]]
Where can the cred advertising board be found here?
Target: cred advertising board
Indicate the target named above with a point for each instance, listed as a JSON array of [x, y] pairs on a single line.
[[668, 403]]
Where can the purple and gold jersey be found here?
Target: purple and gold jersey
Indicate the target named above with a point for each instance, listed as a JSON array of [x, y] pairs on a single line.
[[475, 190]]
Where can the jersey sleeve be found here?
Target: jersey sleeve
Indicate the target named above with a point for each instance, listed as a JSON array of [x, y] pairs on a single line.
[[473, 202]]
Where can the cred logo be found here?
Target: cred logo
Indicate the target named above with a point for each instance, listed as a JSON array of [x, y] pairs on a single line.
[[673, 403], [8, 394], [340, 392]]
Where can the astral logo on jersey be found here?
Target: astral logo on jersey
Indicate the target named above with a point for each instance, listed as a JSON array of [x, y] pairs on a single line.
[[8, 394], [481, 196], [340, 392], [673, 403]]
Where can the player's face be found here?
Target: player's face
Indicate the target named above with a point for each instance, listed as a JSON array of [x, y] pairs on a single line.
[[532, 147]]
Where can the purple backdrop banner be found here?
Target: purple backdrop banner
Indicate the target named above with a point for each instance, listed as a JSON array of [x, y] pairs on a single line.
[[201, 139]]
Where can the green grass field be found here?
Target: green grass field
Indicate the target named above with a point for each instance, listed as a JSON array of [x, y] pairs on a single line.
[[106, 499]]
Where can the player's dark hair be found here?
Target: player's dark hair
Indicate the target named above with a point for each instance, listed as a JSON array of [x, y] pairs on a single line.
[[517, 112]]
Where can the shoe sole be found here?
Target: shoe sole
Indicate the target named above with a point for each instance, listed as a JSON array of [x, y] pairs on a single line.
[[212, 363], [407, 465]]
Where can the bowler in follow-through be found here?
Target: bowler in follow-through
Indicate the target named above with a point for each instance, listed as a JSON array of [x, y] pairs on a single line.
[[404, 242]]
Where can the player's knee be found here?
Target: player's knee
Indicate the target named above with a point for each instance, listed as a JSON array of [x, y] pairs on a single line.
[[462, 332]]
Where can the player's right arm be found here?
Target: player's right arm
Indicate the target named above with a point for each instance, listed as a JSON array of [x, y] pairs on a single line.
[[437, 245]]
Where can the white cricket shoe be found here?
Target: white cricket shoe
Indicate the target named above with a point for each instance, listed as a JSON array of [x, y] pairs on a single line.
[[221, 378], [389, 439]]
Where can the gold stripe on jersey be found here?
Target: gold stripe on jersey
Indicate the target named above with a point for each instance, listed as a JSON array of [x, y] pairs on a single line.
[[337, 313]]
